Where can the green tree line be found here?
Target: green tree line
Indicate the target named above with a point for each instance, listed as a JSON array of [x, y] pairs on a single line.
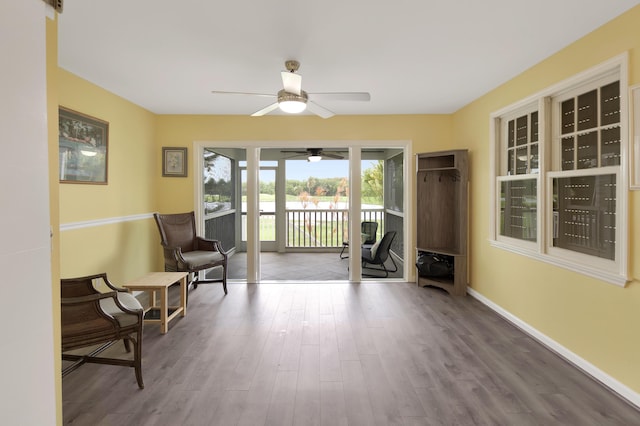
[[335, 188]]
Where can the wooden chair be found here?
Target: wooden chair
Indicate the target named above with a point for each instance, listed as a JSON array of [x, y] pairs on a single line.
[[92, 318], [378, 254], [184, 251]]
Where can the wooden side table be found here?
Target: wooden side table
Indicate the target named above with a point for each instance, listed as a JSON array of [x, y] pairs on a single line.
[[160, 282]]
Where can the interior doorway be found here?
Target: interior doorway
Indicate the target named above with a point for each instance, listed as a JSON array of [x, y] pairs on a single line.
[[276, 211]]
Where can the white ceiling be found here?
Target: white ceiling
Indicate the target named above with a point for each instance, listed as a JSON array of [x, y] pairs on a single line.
[[413, 56]]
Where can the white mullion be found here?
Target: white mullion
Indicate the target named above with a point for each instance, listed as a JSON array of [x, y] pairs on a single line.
[[599, 126]]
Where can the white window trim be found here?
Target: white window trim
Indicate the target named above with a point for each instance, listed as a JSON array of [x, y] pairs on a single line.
[[614, 272]]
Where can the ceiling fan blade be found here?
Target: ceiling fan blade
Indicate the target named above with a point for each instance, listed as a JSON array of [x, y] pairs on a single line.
[[318, 110], [296, 156], [291, 82], [265, 110], [330, 155], [341, 96], [219, 92]]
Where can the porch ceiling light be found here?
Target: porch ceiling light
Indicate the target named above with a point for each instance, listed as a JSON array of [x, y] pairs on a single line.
[[88, 152], [292, 103]]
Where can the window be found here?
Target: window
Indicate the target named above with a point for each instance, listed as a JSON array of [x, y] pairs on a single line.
[[394, 183], [567, 206], [218, 182], [518, 180]]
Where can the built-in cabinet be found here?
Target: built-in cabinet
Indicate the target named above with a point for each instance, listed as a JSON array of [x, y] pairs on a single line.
[[442, 215]]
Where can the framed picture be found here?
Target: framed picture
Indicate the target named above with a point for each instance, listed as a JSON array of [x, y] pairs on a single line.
[[634, 137], [174, 162], [83, 148]]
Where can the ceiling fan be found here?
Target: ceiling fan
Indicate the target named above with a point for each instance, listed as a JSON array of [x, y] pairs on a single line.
[[314, 154], [292, 99]]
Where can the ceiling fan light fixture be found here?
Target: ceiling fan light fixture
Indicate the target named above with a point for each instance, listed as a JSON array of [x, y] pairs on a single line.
[[292, 103], [292, 107], [314, 158]]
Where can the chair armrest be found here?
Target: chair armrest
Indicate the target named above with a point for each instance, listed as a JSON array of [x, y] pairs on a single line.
[[210, 245], [112, 286], [86, 299], [173, 255], [96, 298]]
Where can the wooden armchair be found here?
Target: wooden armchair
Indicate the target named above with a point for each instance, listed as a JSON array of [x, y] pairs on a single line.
[[184, 251], [92, 318]]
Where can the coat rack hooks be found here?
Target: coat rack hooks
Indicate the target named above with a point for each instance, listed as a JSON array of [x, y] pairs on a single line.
[[454, 175]]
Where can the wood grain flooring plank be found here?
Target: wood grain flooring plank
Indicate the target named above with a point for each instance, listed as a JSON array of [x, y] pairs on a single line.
[[232, 404], [310, 325], [383, 401], [283, 397], [290, 356], [347, 346], [358, 406], [332, 403], [330, 369], [308, 397], [405, 397]]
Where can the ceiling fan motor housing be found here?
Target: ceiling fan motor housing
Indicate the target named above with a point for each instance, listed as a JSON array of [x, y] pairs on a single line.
[[284, 96], [292, 65]]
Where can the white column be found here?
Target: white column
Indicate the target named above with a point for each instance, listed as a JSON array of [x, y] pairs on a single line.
[[355, 214], [253, 215]]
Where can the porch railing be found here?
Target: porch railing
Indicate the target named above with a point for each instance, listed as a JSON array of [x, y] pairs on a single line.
[[310, 228], [323, 228]]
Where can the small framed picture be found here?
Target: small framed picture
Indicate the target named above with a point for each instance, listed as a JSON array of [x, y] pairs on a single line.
[[174, 162]]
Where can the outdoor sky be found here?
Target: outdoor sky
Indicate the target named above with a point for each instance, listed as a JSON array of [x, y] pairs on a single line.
[[302, 169]]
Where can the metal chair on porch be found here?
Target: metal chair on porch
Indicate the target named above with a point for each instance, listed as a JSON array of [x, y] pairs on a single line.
[[368, 231]]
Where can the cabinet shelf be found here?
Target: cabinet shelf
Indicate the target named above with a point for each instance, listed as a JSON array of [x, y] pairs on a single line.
[[441, 191], [449, 251], [437, 169], [446, 283]]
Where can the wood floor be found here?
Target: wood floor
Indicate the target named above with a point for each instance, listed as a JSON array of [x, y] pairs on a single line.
[[339, 354], [304, 266]]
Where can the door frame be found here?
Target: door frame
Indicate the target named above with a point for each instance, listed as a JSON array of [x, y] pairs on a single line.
[[252, 149]]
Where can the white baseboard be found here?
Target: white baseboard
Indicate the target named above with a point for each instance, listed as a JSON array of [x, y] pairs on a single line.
[[614, 385]]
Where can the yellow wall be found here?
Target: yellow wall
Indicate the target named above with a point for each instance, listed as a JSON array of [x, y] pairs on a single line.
[[52, 115], [428, 133], [126, 248], [597, 321]]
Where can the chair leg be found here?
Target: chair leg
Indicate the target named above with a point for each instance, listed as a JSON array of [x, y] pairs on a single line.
[[137, 360], [224, 278], [384, 269], [344, 247], [395, 267], [194, 281]]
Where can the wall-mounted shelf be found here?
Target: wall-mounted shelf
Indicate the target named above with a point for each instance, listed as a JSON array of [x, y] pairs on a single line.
[[442, 189]]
